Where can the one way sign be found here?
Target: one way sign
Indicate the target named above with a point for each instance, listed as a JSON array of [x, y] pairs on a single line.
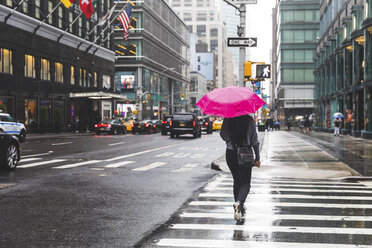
[[242, 42]]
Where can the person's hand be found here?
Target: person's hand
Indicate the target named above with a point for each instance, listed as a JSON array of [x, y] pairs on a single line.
[[258, 164]]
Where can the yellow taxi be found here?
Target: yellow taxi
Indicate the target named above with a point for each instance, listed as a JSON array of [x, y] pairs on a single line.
[[128, 124], [217, 124]]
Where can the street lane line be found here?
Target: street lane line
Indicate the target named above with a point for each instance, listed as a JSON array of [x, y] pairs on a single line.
[[263, 181], [115, 144], [261, 190], [186, 168], [60, 144], [250, 216], [299, 186], [150, 166], [283, 204], [29, 159], [223, 243], [68, 166], [116, 165], [271, 229], [36, 155], [138, 153], [41, 163], [289, 196]]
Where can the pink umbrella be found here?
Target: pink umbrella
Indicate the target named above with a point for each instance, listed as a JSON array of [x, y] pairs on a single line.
[[230, 102]]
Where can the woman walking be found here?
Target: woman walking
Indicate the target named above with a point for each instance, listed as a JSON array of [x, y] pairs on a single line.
[[337, 127], [237, 132]]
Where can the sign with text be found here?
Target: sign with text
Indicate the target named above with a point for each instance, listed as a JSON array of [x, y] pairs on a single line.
[[242, 42], [244, 1], [263, 71]]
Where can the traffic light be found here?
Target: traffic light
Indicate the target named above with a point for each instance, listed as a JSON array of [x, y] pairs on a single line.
[[263, 71], [182, 97], [247, 70], [148, 96]]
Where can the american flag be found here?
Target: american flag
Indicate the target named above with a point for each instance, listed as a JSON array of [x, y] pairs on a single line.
[[125, 20]]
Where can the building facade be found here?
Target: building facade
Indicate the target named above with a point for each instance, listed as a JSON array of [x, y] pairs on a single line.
[[153, 65], [50, 65], [343, 72], [295, 32], [198, 88], [203, 18]]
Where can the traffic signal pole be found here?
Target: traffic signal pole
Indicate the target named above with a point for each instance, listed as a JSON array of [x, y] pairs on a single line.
[[241, 34]]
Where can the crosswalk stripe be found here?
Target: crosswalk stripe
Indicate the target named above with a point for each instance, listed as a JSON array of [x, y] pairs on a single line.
[[150, 166], [41, 163], [220, 243], [36, 155], [269, 229], [263, 181], [289, 196], [29, 160], [116, 165], [68, 166], [260, 190], [300, 185], [282, 204], [187, 167], [271, 217], [137, 153]]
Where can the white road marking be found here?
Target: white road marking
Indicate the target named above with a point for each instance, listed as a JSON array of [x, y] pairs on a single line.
[[67, 166], [254, 228], [41, 163], [282, 204], [289, 196], [165, 154], [223, 243], [115, 144], [150, 166], [60, 144], [29, 159], [269, 185], [265, 190], [263, 181], [36, 155], [138, 153], [116, 165], [270, 217], [187, 167]]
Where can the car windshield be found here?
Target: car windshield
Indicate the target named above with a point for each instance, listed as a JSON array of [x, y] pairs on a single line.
[[183, 117], [106, 121]]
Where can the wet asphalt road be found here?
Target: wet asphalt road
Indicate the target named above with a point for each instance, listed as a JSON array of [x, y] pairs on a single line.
[[84, 190]]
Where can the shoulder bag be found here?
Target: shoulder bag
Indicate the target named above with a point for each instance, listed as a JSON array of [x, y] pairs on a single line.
[[245, 156]]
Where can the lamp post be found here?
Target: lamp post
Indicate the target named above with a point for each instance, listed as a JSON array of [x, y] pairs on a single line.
[[140, 105]]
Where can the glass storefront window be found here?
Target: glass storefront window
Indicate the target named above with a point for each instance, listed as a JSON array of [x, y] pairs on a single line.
[[58, 72], [72, 75], [106, 81], [29, 66], [30, 113], [44, 69], [47, 103]]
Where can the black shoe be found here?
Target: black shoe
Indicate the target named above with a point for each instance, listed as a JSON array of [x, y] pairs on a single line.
[[243, 212], [237, 211]]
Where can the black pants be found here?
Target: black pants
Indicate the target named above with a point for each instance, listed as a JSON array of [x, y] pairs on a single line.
[[242, 176]]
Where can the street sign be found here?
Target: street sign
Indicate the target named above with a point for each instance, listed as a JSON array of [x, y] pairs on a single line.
[[242, 42], [244, 1], [263, 71], [257, 92], [258, 84]]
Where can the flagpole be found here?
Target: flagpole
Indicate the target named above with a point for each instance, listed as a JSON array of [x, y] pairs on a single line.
[[42, 22], [11, 13], [88, 48], [72, 23]]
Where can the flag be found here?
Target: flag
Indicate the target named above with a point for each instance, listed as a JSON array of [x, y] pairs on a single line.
[[125, 20], [86, 7], [107, 16], [67, 3]]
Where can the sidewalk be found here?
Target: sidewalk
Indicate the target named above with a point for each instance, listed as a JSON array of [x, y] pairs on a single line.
[[294, 155]]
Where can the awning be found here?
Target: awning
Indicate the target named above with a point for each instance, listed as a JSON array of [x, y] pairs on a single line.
[[98, 95]]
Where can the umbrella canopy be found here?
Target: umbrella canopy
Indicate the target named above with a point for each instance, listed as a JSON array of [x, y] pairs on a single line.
[[299, 117], [338, 115], [230, 102]]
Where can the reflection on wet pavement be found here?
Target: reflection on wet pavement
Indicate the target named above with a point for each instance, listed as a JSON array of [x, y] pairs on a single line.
[[296, 200]]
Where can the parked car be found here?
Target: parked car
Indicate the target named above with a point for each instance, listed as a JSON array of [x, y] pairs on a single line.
[[206, 124], [10, 151], [185, 123], [8, 125], [128, 124], [217, 124], [155, 126], [112, 126], [141, 127], [165, 124]]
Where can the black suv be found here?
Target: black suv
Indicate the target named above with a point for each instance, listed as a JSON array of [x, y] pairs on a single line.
[[207, 124], [165, 124], [185, 123]]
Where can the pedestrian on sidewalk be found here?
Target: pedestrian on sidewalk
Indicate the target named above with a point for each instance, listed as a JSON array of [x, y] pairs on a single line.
[[302, 125], [236, 132], [307, 124], [337, 126], [349, 120], [77, 124], [289, 125]]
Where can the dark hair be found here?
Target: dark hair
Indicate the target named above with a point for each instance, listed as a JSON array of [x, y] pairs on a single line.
[[238, 127]]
